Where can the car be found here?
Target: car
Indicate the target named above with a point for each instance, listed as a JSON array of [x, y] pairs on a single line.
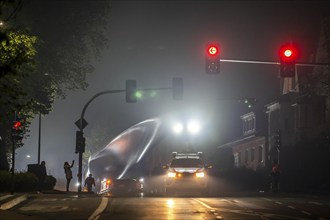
[[186, 172], [122, 187]]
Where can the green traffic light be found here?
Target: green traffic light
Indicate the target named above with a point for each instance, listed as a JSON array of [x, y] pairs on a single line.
[[138, 94]]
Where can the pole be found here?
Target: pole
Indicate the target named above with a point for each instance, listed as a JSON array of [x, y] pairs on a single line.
[[12, 179], [80, 171], [81, 128], [80, 156], [13, 170], [39, 137]]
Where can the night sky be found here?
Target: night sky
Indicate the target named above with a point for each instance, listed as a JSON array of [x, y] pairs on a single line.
[[154, 41]]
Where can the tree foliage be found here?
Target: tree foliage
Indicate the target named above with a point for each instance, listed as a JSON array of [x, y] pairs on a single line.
[[47, 48]]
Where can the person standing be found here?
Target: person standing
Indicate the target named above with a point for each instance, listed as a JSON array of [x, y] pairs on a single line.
[[68, 174], [275, 174], [89, 182]]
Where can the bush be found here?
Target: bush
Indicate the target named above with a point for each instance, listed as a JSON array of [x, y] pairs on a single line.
[[49, 183], [5, 181], [24, 182]]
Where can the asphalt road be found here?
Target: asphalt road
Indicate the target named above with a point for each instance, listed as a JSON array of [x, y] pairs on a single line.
[[267, 206]]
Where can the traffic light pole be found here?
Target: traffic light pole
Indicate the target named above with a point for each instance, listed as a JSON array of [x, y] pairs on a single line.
[[81, 129], [12, 179], [82, 126], [278, 63]]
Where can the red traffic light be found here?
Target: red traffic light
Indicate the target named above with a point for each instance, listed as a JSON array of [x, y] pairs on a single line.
[[17, 125], [213, 50], [288, 53]]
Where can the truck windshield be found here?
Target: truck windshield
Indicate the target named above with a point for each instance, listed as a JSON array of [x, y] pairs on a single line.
[[187, 162]]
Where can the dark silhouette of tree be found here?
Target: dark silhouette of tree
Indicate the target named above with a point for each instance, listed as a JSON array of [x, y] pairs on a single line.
[[46, 48]]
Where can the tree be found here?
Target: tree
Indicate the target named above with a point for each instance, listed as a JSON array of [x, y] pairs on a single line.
[[17, 52], [42, 57]]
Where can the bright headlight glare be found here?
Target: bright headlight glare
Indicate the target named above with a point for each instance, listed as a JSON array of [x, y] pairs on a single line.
[[177, 128], [193, 127], [171, 174], [200, 175]]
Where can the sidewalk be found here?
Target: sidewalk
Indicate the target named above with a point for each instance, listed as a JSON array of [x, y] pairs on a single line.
[[8, 201]]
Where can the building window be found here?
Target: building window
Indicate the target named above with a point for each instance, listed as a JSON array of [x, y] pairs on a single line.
[[236, 155], [246, 156], [260, 154], [252, 154], [239, 158], [249, 124]]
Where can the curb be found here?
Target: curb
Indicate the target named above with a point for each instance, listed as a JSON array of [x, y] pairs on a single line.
[[13, 202]]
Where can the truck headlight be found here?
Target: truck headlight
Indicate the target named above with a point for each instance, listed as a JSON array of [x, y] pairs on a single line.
[[200, 175]]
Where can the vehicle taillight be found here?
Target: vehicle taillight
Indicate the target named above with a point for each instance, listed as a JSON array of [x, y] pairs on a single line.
[[108, 183]]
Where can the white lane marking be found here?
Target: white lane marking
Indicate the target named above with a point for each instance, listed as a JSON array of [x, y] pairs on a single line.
[[291, 207], [203, 204], [13, 202], [267, 199], [307, 213], [100, 209], [209, 207], [279, 203], [315, 203]]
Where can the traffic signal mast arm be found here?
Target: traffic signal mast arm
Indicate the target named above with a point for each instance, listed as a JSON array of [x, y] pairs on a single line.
[[272, 62]]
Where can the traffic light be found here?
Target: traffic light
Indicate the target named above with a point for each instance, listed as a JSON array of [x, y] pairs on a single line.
[[177, 88], [80, 142], [212, 55], [277, 139], [288, 54], [131, 91], [17, 129]]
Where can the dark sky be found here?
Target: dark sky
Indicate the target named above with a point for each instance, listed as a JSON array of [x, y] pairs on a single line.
[[154, 41]]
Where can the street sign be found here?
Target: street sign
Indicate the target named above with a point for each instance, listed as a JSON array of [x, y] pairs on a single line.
[[81, 125]]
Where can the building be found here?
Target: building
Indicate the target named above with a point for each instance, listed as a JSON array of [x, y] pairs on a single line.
[[250, 149]]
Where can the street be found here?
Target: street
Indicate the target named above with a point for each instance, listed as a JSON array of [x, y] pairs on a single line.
[[253, 206]]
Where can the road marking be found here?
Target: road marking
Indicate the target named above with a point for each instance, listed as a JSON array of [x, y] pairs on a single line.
[[279, 203], [315, 203], [212, 210], [203, 204], [13, 202], [291, 207], [100, 209], [307, 213]]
